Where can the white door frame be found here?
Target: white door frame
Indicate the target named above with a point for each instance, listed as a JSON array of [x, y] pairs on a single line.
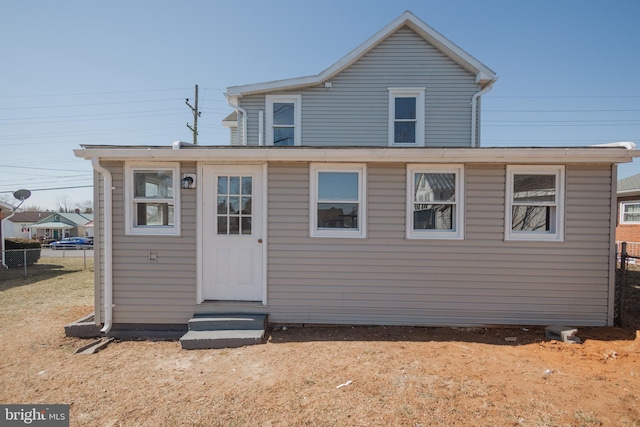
[[200, 228]]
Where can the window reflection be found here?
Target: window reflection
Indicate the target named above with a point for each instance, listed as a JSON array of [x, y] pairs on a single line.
[[234, 205], [338, 215]]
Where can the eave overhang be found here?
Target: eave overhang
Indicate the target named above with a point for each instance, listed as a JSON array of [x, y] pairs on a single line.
[[257, 154]]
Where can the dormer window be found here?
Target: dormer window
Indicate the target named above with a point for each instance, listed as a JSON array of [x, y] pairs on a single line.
[[283, 120], [406, 117]]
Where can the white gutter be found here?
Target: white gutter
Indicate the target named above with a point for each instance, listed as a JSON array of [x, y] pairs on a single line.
[[244, 117], [474, 109], [108, 244]]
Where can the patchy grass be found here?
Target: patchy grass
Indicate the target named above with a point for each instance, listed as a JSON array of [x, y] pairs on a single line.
[[52, 282], [388, 376]]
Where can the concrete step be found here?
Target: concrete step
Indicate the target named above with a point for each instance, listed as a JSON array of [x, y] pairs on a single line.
[[198, 340], [224, 322]]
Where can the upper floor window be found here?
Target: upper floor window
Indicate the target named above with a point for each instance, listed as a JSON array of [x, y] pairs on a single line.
[[435, 202], [152, 197], [283, 119], [406, 117], [630, 212], [338, 200], [535, 203]]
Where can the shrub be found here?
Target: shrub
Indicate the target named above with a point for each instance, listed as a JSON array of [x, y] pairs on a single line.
[[14, 256]]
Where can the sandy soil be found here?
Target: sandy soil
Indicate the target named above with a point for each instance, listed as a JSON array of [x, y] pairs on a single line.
[[322, 376]]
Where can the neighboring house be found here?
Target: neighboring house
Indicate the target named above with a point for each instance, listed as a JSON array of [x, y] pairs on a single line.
[[59, 225], [359, 195], [19, 225], [628, 218], [5, 211]]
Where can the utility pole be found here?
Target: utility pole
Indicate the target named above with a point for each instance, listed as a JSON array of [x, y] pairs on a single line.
[[196, 114]]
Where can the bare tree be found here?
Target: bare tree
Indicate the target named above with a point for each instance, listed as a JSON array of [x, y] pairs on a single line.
[[85, 206], [64, 204], [36, 208]]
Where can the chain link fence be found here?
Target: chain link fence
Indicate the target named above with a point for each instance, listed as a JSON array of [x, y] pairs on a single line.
[[25, 259], [627, 289]]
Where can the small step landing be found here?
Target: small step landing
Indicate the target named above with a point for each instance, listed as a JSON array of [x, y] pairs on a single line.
[[214, 331]]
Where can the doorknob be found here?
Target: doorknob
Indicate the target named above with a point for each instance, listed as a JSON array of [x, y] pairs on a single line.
[[259, 240]]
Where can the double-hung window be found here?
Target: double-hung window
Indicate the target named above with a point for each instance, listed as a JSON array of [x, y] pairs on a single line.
[[406, 117], [535, 203], [338, 200], [283, 120], [153, 199], [630, 212], [435, 201]]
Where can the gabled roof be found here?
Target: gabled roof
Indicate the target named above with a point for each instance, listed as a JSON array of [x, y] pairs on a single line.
[[5, 206], [484, 75], [29, 217], [629, 186], [73, 219], [78, 218], [231, 120]]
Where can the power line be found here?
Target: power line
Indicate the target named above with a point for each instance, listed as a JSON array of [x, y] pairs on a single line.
[[91, 105], [56, 188], [21, 121], [577, 122], [564, 96], [92, 93], [93, 115], [44, 169], [560, 111]]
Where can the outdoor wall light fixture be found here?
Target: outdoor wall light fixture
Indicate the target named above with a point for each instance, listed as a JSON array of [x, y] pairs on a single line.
[[188, 181]]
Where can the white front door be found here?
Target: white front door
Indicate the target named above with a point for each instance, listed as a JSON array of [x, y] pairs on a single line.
[[232, 261]]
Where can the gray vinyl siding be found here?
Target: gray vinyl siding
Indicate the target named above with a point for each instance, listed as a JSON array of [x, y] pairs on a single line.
[[355, 111], [383, 279], [152, 292], [481, 280], [233, 132]]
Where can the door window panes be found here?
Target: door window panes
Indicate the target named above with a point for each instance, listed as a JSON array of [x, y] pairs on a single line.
[[234, 205]]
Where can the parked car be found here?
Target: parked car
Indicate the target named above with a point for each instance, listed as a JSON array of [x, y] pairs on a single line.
[[72, 243]]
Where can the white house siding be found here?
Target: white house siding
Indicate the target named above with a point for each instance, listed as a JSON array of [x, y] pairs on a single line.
[[152, 292], [355, 111], [481, 280]]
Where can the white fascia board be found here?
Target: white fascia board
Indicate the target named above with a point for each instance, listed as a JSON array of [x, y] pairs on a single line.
[[483, 73], [371, 155]]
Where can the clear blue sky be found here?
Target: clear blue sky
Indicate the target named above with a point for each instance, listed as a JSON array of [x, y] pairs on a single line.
[[118, 72]]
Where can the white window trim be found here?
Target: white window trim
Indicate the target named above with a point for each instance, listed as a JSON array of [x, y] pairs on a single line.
[[622, 206], [297, 116], [418, 93], [361, 170], [458, 232], [130, 229], [558, 234]]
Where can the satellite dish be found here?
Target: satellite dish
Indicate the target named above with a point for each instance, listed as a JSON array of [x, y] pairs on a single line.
[[22, 195]]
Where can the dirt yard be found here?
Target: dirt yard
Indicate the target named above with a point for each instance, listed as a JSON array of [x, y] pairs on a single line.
[[345, 376]]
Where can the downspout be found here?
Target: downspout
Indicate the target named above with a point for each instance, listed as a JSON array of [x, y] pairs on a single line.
[[108, 244], [244, 118], [474, 109]]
